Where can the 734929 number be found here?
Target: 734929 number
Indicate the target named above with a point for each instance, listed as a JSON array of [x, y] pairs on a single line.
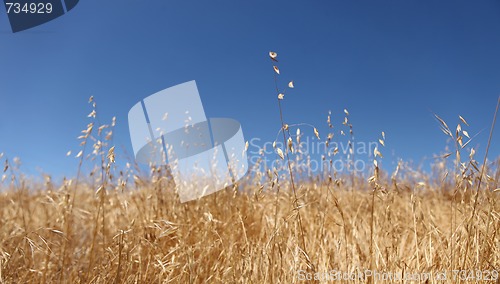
[[29, 8]]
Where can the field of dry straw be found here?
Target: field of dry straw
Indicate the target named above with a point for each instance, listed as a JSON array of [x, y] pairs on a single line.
[[115, 225]]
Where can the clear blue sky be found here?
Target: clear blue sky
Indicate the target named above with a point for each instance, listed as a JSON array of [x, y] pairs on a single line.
[[390, 63]]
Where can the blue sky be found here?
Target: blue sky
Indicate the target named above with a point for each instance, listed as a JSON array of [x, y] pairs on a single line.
[[390, 63]]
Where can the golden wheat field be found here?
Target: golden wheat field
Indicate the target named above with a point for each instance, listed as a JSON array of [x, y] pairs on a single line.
[[121, 226]]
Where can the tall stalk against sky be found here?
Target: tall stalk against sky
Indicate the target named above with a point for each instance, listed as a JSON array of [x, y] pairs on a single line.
[[280, 95]]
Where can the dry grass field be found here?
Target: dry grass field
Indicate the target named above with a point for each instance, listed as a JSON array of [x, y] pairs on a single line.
[[146, 235], [121, 226]]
